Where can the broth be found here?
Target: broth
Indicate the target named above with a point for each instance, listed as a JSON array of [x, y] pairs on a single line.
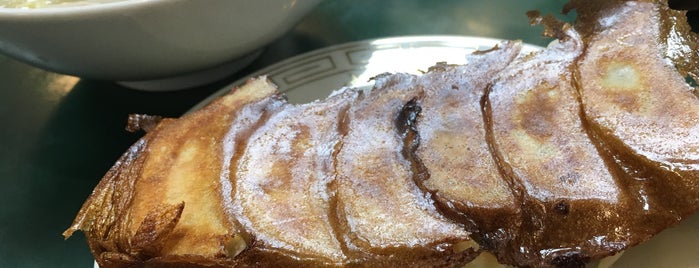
[[30, 4]]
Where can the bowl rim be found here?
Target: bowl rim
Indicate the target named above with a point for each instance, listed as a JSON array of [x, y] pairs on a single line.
[[78, 9]]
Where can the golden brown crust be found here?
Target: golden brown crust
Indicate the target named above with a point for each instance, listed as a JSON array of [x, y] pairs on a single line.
[[542, 146], [642, 109], [282, 178], [183, 165], [451, 131], [150, 237], [383, 215], [124, 219]]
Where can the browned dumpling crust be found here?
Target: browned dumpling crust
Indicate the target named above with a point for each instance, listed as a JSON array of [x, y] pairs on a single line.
[[463, 177], [554, 158]]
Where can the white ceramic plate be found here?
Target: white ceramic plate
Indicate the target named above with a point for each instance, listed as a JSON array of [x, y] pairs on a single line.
[[314, 75]]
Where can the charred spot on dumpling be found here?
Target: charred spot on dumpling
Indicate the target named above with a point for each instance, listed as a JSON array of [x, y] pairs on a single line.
[[570, 259], [570, 178], [562, 207], [407, 117]]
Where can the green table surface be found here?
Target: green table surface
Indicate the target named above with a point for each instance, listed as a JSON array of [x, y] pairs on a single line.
[[59, 134]]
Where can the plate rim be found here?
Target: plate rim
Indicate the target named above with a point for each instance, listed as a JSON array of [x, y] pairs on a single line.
[[391, 40]]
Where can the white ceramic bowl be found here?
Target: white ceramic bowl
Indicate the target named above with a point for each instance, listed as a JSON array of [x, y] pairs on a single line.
[[147, 40]]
